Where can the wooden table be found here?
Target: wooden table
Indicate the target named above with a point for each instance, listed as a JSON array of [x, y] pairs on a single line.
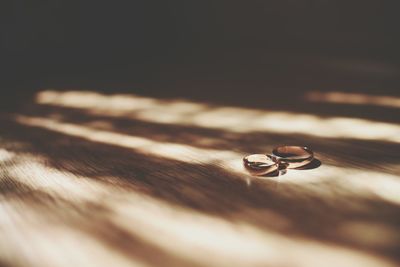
[[123, 179]]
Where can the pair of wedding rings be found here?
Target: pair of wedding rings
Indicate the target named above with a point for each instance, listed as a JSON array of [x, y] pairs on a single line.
[[282, 157]]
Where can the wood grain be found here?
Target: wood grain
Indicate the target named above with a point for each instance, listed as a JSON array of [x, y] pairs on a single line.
[[93, 186]]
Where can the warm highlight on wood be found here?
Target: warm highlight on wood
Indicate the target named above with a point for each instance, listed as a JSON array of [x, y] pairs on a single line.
[[92, 179]]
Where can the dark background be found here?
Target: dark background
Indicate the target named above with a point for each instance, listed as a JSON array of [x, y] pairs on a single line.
[[204, 49]]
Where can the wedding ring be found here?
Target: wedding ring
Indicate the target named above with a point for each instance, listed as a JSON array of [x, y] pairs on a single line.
[[260, 164], [292, 156]]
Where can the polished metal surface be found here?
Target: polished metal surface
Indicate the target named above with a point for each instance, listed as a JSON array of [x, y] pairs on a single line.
[[260, 164], [293, 156]]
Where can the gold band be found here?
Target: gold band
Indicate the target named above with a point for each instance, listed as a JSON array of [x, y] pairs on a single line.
[[260, 164], [293, 156]]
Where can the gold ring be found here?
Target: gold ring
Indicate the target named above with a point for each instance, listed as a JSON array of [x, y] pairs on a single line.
[[260, 164], [292, 156]]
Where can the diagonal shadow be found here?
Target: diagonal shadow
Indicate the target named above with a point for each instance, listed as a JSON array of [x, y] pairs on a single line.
[[90, 218], [208, 188], [368, 154]]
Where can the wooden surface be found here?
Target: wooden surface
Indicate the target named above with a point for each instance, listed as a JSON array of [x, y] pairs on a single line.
[[95, 179]]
